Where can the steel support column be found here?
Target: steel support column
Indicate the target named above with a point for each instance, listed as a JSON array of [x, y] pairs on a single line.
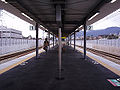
[[59, 22], [70, 40], [85, 27], [36, 27], [53, 40], [74, 40], [60, 53], [49, 39]]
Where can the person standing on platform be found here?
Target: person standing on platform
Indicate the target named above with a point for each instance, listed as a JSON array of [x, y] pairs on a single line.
[[46, 44]]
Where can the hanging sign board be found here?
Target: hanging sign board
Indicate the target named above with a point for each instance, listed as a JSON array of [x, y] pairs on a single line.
[[89, 27], [32, 28], [63, 37]]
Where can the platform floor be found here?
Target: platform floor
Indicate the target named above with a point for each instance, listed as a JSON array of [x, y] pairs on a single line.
[[79, 74]]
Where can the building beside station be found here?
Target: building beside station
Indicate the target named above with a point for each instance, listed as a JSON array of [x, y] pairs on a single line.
[[10, 33]]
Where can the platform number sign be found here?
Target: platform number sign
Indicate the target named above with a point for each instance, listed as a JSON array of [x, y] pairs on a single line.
[[32, 27], [89, 27]]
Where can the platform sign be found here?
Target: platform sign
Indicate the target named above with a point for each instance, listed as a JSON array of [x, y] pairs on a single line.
[[114, 82], [63, 37], [32, 28], [89, 27]]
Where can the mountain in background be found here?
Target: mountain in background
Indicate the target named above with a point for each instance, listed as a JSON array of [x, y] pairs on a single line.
[[107, 31]]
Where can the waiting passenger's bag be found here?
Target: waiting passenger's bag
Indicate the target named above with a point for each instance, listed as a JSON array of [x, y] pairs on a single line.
[[44, 48]]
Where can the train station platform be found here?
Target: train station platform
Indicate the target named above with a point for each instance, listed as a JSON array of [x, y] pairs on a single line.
[[79, 74]]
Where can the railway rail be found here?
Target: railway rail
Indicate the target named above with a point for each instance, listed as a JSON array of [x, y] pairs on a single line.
[[102, 53], [17, 54], [22, 53]]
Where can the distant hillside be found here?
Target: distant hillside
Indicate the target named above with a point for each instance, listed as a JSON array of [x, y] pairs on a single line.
[[107, 31]]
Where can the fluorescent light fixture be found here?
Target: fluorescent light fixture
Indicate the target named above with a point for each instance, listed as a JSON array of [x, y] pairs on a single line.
[[93, 16], [80, 26], [27, 16], [76, 29], [113, 1], [4, 1], [41, 26]]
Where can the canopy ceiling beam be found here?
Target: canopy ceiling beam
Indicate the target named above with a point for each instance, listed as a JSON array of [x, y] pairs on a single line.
[[38, 14], [65, 22], [92, 12], [27, 11]]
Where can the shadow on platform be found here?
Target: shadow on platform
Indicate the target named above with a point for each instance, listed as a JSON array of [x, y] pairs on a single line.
[[79, 74]]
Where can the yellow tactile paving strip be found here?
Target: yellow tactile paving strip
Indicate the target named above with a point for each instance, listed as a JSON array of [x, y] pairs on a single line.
[[16, 64], [103, 64]]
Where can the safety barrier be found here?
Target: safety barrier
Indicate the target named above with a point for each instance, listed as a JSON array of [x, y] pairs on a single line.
[[9, 45], [108, 45]]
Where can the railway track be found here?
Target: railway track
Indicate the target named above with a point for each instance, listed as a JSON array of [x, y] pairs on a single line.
[[102, 53], [17, 54]]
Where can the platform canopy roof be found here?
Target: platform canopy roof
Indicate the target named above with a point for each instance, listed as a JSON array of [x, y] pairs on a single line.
[[74, 12]]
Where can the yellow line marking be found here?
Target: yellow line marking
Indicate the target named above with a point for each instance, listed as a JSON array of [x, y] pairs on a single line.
[[16, 64], [106, 65], [103, 64]]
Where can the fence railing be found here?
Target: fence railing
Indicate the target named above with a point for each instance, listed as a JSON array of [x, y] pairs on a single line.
[[108, 45], [9, 45]]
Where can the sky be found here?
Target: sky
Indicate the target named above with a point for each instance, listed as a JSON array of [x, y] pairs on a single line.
[[11, 21], [112, 20]]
